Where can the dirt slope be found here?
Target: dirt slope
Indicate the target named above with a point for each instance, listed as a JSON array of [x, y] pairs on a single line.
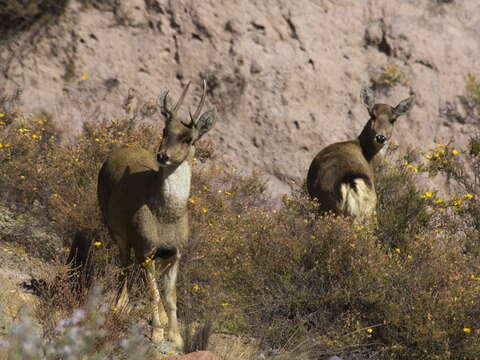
[[285, 76]]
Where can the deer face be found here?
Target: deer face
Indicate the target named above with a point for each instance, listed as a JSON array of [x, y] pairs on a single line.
[[179, 136], [379, 127]]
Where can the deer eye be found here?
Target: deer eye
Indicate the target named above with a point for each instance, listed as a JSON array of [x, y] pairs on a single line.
[[188, 140]]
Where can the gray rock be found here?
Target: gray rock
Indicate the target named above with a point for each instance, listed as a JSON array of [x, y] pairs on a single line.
[[313, 60]]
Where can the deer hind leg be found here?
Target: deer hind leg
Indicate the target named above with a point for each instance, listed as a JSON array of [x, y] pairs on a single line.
[[157, 328], [170, 279], [122, 298]]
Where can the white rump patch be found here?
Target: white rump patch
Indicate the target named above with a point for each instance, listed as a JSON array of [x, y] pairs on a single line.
[[358, 201]]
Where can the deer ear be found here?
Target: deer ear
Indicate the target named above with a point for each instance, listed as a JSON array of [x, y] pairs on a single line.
[[206, 121], [368, 98], [404, 106]]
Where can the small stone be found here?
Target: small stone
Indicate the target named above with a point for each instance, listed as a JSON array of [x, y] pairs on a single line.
[[255, 67], [197, 355]]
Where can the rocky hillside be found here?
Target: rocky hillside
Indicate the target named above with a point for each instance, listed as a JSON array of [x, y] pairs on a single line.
[[285, 76]]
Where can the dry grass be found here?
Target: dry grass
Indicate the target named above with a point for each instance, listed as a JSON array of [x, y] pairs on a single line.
[[404, 288]]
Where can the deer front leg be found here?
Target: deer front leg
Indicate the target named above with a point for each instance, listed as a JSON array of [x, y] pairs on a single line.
[[157, 329], [170, 279], [161, 307]]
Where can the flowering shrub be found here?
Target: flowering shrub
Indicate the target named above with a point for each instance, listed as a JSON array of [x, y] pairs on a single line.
[[80, 336], [405, 287]]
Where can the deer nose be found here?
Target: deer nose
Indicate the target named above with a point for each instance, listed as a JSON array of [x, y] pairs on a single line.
[[380, 139], [162, 158]]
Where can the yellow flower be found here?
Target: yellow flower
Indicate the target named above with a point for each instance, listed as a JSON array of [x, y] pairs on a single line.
[[23, 177], [293, 181], [440, 145], [468, 196], [3, 123], [474, 278], [35, 137], [413, 168], [84, 76], [456, 202], [97, 139], [2, 115], [353, 245], [225, 304], [113, 308], [97, 243], [192, 201], [439, 201], [228, 193], [397, 250], [369, 330], [146, 261], [455, 152], [436, 230], [205, 187], [418, 237], [360, 228], [53, 196], [196, 288], [204, 210], [427, 195], [467, 330]]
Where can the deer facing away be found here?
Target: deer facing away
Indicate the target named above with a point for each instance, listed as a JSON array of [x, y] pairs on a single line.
[[143, 199], [341, 175]]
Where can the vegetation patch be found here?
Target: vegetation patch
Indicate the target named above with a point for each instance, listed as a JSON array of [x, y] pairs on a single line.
[[299, 283]]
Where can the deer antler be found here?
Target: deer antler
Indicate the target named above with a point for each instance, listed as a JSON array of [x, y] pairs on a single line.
[[164, 106], [200, 105], [180, 100]]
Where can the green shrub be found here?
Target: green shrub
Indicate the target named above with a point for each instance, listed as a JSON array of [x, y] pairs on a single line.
[[388, 76], [472, 93], [20, 15]]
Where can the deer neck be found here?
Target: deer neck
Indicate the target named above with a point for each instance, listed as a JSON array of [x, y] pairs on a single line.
[[173, 190], [366, 144]]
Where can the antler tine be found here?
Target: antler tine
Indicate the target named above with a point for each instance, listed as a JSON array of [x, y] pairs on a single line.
[[192, 118], [180, 100], [163, 106], [202, 102]]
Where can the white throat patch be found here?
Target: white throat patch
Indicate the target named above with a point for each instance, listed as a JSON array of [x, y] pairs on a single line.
[[176, 187]]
